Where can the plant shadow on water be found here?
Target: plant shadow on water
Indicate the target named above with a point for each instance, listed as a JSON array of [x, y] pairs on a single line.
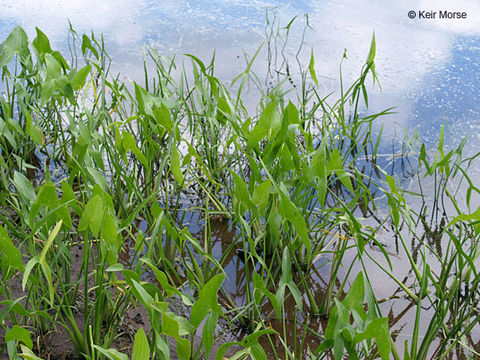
[[291, 233]]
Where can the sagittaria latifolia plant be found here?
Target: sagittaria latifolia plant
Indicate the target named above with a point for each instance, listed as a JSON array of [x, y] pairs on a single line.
[[110, 192]]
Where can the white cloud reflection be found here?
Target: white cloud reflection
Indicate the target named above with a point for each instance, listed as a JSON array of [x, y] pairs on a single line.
[[408, 50], [115, 18]]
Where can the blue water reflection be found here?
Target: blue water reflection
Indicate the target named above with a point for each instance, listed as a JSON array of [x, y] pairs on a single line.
[[452, 96], [429, 69]]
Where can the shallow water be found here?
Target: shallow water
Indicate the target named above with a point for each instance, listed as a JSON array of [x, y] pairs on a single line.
[[428, 68]]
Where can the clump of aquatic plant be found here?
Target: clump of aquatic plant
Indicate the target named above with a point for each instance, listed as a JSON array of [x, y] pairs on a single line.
[[120, 171]]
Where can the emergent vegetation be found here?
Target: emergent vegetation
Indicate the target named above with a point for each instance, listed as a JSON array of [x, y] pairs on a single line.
[[137, 177]]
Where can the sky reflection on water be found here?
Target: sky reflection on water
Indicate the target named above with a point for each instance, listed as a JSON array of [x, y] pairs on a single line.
[[428, 68]]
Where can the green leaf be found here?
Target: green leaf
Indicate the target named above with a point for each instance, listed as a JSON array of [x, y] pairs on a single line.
[[290, 114], [356, 294], [53, 234], [40, 259], [112, 354], [171, 327], [269, 122], [371, 53], [87, 45], [319, 166], [9, 254], [96, 177], [290, 212], [80, 77], [311, 68], [335, 164], [162, 279], [379, 330], [92, 215], [142, 294], [47, 196], [257, 352], [286, 280], [110, 236], [163, 117], [207, 300], [19, 334], [28, 269], [41, 42], [241, 191], [175, 166], [28, 354], [261, 289], [35, 132], [208, 332], [54, 68], [391, 183], [16, 43], [141, 350], [24, 187], [129, 143], [115, 268]]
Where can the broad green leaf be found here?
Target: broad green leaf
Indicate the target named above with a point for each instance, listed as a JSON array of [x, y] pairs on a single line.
[[10, 255], [171, 327], [19, 334], [257, 352], [377, 329], [207, 300], [80, 78], [24, 187], [356, 294], [141, 349], [162, 279], [41, 42], [290, 212], [115, 268], [163, 117], [47, 196], [269, 122], [391, 183], [110, 238], [54, 68], [61, 60], [16, 43], [92, 215], [290, 114], [261, 193], [68, 196], [87, 45], [241, 191]]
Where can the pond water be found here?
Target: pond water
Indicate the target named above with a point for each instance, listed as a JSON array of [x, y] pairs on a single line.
[[429, 69]]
